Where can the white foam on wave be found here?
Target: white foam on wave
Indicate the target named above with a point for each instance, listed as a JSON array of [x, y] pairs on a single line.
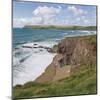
[[88, 32], [34, 65]]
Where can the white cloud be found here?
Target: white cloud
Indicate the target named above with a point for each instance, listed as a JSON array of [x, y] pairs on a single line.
[[17, 22], [41, 15], [76, 11], [84, 20], [78, 19], [47, 14], [21, 22], [44, 10]]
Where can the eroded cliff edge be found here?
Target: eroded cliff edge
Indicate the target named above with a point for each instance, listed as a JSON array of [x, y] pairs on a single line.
[[72, 54]]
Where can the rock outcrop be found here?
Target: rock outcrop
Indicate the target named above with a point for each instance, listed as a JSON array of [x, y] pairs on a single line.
[[76, 49], [72, 53]]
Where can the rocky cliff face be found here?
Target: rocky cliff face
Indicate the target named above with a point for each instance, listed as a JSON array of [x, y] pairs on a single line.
[[72, 53], [75, 50]]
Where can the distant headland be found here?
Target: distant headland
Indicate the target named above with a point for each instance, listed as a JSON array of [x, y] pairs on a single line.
[[67, 27]]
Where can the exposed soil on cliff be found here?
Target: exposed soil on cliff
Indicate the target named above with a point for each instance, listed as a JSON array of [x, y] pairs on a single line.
[[72, 53]]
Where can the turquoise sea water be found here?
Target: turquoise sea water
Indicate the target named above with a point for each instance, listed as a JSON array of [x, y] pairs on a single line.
[[21, 36], [29, 63]]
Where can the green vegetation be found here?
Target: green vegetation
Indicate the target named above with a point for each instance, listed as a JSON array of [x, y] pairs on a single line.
[[55, 48], [61, 27], [81, 82]]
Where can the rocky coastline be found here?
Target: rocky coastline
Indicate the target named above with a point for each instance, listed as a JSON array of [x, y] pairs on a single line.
[[72, 53], [72, 71]]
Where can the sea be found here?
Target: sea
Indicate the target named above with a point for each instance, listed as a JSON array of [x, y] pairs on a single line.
[[30, 57]]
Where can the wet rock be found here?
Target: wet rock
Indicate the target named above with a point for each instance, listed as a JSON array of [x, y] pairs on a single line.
[[41, 50], [35, 44], [26, 46]]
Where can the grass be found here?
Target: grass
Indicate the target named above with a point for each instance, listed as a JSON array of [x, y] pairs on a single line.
[[83, 82]]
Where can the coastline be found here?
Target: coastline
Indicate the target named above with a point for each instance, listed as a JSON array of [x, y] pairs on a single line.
[[72, 71], [31, 66], [52, 72], [56, 71], [28, 54]]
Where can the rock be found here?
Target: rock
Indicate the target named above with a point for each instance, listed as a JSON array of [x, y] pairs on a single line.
[[40, 47], [50, 50], [41, 50], [26, 46], [55, 48], [71, 54], [75, 50], [35, 44], [35, 47]]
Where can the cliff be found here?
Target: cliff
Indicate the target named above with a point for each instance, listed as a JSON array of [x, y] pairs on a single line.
[[72, 53]]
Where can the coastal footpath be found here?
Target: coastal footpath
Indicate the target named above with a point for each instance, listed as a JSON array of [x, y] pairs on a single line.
[[72, 71]]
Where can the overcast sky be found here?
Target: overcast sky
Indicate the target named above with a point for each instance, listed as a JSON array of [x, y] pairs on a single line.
[[35, 13]]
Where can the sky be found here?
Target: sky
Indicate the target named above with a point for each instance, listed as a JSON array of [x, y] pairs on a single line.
[[40, 13]]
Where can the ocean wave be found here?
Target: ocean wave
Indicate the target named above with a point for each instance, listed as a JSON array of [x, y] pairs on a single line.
[[26, 61], [87, 32]]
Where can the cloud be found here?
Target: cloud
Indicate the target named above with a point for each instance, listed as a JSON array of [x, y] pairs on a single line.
[[50, 15], [85, 21], [17, 22], [21, 22], [47, 14], [44, 10], [76, 11], [41, 15]]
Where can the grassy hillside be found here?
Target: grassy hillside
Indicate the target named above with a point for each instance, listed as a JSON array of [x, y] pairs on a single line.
[[61, 27], [81, 82]]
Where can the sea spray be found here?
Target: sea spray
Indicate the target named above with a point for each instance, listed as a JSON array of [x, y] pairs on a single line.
[[29, 66]]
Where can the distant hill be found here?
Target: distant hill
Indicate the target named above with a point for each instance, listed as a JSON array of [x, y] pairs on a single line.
[[61, 27]]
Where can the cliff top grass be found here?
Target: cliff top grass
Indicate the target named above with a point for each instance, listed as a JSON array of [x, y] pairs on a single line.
[[90, 39]]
